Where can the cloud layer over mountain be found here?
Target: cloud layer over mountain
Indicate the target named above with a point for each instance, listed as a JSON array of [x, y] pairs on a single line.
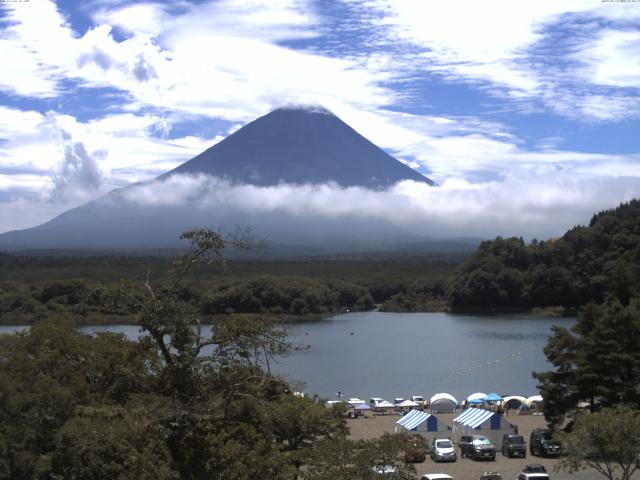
[[456, 208]]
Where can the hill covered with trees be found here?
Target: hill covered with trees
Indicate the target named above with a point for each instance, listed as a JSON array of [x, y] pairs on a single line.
[[585, 265]]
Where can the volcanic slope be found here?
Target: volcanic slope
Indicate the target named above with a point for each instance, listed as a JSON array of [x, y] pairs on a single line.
[[290, 145], [300, 145]]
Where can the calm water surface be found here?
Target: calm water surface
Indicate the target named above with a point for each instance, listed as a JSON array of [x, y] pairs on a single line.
[[388, 355]]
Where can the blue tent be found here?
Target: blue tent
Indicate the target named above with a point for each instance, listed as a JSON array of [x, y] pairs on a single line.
[[426, 424], [476, 421], [492, 397]]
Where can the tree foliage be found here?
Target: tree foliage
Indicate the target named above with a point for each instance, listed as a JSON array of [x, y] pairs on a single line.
[[607, 441], [345, 459], [175, 404], [585, 265], [597, 361]]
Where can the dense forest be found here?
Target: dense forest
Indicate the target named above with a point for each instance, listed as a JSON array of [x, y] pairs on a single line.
[[90, 289], [586, 264]]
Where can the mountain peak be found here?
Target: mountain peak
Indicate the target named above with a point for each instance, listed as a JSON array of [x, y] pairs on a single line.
[[300, 144], [304, 107]]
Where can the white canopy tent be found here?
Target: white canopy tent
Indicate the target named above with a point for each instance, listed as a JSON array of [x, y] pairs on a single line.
[[383, 406], [407, 404], [514, 401], [534, 399], [476, 396], [443, 403], [426, 424], [477, 421]]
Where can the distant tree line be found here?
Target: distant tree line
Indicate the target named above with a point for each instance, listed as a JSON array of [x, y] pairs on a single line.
[[87, 289], [20, 303]]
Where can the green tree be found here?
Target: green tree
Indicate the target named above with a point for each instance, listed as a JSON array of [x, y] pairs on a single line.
[[225, 415], [345, 459], [596, 361], [178, 403], [607, 441], [52, 375]]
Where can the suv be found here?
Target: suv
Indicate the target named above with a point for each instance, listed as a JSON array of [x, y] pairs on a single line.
[[533, 471], [513, 445], [416, 450], [542, 444], [477, 446], [443, 450]]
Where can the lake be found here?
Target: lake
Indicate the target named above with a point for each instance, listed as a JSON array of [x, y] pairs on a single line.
[[376, 354]]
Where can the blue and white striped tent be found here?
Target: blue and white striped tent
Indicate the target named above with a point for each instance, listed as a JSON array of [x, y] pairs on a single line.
[[426, 424], [477, 421]]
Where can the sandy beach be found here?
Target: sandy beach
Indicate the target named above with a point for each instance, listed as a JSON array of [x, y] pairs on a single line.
[[375, 425]]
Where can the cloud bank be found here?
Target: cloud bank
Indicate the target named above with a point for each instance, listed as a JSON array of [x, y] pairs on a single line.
[[542, 207]]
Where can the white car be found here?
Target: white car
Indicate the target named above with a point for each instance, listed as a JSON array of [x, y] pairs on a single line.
[[533, 476], [436, 476], [533, 471], [442, 450]]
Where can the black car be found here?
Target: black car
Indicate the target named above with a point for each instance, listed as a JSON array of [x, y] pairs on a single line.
[[542, 444], [514, 446], [477, 447]]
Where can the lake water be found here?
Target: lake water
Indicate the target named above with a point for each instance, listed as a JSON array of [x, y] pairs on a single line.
[[376, 354]]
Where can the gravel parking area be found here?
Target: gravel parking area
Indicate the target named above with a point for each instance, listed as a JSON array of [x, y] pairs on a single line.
[[374, 426]]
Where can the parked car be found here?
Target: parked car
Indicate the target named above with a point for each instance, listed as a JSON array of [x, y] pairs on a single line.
[[542, 444], [416, 450], [436, 476], [477, 446], [491, 476], [514, 445], [442, 450], [533, 471]]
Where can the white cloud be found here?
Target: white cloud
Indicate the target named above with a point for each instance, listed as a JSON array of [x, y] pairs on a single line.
[[59, 158], [35, 48], [537, 206], [613, 59], [475, 40], [494, 45]]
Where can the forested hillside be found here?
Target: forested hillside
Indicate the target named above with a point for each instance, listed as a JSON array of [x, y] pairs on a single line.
[[585, 265]]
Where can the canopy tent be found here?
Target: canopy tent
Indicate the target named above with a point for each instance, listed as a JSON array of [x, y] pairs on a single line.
[[407, 403], [476, 396], [476, 421], [426, 424], [443, 403], [384, 404], [492, 397], [514, 401], [534, 399]]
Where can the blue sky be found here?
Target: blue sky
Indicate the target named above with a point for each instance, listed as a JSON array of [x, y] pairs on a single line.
[[526, 113]]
